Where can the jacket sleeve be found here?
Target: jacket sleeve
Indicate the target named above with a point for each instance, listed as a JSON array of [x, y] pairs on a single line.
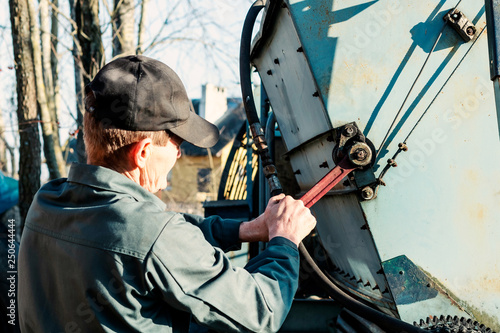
[[193, 276], [219, 232]]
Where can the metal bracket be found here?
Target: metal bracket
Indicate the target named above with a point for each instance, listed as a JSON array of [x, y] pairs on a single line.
[[352, 143], [461, 24]]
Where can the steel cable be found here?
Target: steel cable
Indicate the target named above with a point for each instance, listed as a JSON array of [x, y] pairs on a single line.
[[414, 82]]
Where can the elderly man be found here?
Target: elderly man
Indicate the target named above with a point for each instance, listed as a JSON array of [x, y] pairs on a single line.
[[99, 252]]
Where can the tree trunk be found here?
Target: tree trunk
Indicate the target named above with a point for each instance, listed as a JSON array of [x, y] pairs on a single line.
[[52, 151], [89, 37], [29, 150], [48, 79], [141, 30], [89, 57], [54, 62], [3, 146], [123, 27]]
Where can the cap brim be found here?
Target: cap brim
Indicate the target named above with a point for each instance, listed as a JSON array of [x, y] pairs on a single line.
[[197, 131]]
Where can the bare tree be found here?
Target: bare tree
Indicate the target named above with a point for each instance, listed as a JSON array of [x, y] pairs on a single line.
[[52, 150], [3, 146], [88, 54], [49, 60], [141, 30], [54, 59], [11, 149], [122, 21], [29, 150]]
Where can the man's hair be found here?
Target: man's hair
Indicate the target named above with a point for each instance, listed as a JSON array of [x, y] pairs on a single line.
[[109, 146]]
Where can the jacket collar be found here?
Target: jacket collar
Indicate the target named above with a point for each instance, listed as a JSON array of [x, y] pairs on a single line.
[[110, 180]]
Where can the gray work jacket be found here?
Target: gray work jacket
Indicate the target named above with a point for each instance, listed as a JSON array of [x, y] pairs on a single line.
[[100, 254]]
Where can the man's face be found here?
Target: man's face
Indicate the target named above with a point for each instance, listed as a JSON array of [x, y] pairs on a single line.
[[161, 161]]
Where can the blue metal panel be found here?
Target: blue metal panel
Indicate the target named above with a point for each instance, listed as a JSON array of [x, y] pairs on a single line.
[[441, 205]]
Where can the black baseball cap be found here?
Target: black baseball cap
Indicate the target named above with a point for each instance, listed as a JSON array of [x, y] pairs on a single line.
[[137, 93]]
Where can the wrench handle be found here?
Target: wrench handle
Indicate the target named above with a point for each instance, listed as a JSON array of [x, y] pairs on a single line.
[[332, 178]]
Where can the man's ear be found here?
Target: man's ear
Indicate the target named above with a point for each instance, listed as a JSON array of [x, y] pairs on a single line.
[[141, 152]]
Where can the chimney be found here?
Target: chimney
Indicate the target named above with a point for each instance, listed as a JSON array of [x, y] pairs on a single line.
[[213, 102]]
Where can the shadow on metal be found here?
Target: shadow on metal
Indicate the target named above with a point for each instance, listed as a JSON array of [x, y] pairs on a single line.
[[398, 72]]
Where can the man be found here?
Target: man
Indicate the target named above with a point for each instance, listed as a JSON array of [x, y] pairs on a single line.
[[99, 252]]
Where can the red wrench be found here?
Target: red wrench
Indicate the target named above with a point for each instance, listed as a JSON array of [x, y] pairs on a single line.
[[325, 184]]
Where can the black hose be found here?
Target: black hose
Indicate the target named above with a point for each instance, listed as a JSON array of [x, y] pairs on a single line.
[[246, 81], [258, 137], [381, 319]]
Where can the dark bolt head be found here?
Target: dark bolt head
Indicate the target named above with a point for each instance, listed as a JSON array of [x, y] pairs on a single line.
[[360, 154], [349, 131], [471, 31]]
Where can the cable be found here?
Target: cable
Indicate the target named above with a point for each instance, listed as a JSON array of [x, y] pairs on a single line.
[[411, 88], [440, 89], [415, 81], [381, 319], [402, 146]]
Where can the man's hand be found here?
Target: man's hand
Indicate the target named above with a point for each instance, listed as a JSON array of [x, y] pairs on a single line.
[[289, 218], [284, 216]]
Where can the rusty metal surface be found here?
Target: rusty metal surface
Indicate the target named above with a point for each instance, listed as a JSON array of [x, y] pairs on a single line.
[[413, 289]]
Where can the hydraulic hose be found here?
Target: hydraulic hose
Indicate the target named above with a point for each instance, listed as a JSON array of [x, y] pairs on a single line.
[[268, 167], [384, 321], [246, 81]]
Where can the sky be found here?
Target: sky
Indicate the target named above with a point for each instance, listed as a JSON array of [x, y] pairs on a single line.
[[201, 44]]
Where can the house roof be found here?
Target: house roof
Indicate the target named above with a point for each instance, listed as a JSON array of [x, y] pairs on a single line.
[[229, 125]]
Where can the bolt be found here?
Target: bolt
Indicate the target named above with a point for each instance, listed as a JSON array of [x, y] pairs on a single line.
[[349, 131], [367, 193], [471, 31], [360, 154]]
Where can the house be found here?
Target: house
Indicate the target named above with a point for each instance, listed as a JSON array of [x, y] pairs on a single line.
[[196, 176]]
